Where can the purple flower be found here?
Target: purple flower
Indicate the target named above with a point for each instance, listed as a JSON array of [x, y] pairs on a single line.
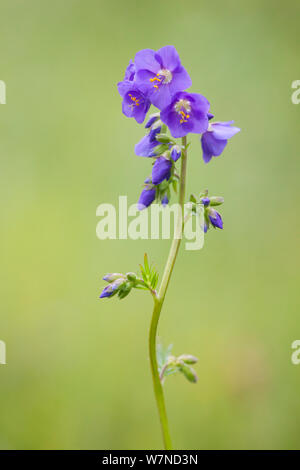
[[186, 113], [175, 153], [214, 140], [147, 144], [135, 104], [111, 289], [161, 170], [130, 72], [161, 73], [215, 218], [146, 198]]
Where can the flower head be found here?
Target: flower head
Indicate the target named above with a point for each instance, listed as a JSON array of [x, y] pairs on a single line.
[[214, 140], [135, 103], [161, 73], [161, 170], [186, 113], [146, 198]]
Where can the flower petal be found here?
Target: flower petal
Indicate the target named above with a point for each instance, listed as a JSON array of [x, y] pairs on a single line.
[[169, 57], [145, 59], [223, 130]]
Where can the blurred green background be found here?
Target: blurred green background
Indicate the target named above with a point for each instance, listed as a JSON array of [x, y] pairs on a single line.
[[77, 373]]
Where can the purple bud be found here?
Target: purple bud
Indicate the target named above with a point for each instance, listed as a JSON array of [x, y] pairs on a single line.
[[215, 218], [175, 153], [151, 121], [161, 170], [153, 132], [205, 201], [111, 289], [146, 198], [147, 180], [165, 201], [210, 116]]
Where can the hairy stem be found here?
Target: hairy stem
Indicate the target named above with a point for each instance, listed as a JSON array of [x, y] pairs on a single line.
[[158, 303]]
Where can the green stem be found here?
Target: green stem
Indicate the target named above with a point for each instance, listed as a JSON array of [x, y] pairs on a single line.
[[158, 303]]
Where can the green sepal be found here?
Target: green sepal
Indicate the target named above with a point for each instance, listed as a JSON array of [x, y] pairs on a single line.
[[163, 138]]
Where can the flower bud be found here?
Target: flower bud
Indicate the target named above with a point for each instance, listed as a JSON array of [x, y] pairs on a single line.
[[215, 218], [175, 153], [124, 290], [110, 277], [165, 200], [161, 170], [112, 288], [159, 150], [188, 372], [163, 138], [131, 277], [153, 133], [146, 198], [216, 200], [205, 201], [203, 193], [152, 119], [188, 359]]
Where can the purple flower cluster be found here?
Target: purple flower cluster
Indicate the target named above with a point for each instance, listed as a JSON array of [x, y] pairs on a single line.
[[158, 78]]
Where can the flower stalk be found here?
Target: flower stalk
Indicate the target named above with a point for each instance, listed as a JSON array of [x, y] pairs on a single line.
[[158, 78], [158, 304]]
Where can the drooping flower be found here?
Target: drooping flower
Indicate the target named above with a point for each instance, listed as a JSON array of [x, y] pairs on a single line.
[[135, 103], [214, 140], [145, 147], [186, 113], [161, 73], [161, 170], [146, 198]]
